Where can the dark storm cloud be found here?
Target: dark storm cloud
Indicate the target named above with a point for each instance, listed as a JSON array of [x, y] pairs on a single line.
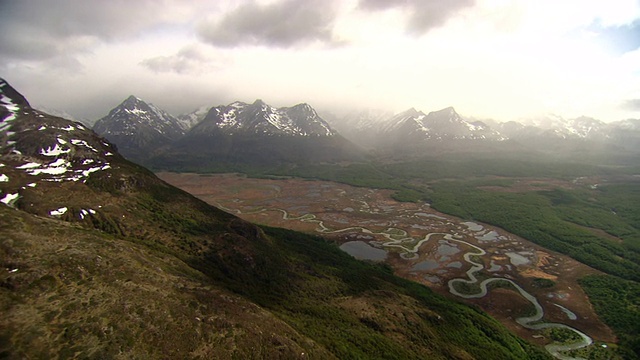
[[631, 104], [424, 15], [41, 29], [283, 24], [618, 39]]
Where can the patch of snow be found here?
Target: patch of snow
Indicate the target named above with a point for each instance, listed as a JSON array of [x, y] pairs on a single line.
[[83, 143], [9, 199], [108, 154], [9, 103], [49, 171], [62, 141], [4, 178], [55, 151], [55, 168], [6, 122], [58, 212], [90, 170], [30, 165], [42, 128], [58, 162], [68, 128], [87, 161], [135, 111], [32, 185]]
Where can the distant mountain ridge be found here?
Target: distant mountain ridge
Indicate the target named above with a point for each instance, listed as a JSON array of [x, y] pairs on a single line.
[[238, 133], [259, 134], [445, 124], [413, 129]]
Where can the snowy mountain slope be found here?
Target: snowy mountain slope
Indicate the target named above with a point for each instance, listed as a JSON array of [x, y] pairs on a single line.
[[361, 120], [262, 119], [628, 124], [189, 120], [360, 127], [39, 152], [138, 128], [443, 125], [579, 128], [257, 134]]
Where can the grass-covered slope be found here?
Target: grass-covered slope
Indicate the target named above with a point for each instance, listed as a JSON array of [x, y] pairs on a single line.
[[160, 273]]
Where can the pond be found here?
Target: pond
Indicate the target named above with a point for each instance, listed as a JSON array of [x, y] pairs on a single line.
[[426, 265], [490, 236], [363, 251], [447, 248], [472, 226], [517, 259]]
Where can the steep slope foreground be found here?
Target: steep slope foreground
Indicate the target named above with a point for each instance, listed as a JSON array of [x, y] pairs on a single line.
[[101, 259]]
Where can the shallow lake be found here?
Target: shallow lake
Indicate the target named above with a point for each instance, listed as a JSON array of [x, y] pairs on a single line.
[[472, 226], [426, 265], [446, 248], [363, 251], [490, 236], [517, 259]]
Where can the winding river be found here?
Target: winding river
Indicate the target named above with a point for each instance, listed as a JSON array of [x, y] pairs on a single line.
[[399, 239]]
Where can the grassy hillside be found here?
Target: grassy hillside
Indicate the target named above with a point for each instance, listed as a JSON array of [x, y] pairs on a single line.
[[155, 272]]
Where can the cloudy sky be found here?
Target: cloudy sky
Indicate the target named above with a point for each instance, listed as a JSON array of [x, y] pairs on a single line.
[[501, 59]]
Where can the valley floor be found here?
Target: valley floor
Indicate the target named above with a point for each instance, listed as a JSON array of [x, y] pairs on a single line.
[[450, 255]]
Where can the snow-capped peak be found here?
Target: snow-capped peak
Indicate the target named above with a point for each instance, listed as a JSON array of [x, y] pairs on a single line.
[[261, 118], [136, 127], [437, 125]]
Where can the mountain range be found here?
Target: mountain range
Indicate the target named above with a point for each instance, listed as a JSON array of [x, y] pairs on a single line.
[[223, 136], [101, 259], [257, 134]]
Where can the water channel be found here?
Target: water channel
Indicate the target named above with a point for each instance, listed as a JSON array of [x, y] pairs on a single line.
[[409, 247]]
